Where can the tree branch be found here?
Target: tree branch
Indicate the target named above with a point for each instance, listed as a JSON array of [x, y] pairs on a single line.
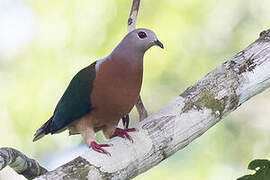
[[131, 26], [133, 15], [23, 165], [185, 118], [141, 109]]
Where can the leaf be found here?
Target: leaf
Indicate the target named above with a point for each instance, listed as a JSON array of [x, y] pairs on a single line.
[[262, 168]]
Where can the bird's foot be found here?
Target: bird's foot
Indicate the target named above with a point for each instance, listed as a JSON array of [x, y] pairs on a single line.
[[124, 133], [98, 147]]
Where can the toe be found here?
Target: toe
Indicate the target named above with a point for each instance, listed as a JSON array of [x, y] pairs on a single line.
[[98, 147], [130, 129], [105, 145], [123, 133], [129, 137]]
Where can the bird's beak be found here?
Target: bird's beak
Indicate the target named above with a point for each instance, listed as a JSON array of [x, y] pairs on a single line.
[[158, 43]]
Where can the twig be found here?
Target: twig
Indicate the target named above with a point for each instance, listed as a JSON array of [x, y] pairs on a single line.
[[131, 26], [141, 109], [133, 15], [23, 165]]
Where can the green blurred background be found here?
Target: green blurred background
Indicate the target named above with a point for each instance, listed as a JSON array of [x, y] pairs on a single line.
[[43, 43]]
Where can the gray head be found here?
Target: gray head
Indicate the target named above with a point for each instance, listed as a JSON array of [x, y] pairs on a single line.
[[143, 39], [138, 41]]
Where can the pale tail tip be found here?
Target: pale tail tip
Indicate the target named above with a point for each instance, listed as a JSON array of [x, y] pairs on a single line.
[[38, 136]]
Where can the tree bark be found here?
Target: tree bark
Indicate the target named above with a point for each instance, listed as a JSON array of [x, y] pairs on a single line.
[[176, 125], [23, 165]]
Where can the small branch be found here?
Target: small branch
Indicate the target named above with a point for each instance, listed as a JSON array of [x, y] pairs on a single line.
[[133, 15], [184, 119], [23, 165], [131, 26], [141, 109]]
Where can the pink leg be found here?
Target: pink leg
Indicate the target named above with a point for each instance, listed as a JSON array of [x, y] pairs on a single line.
[[98, 147], [124, 133]]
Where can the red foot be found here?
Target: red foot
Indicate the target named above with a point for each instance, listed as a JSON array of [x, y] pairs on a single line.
[[124, 133], [98, 147]]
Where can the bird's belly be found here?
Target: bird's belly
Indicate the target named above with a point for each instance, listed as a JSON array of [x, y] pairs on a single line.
[[113, 103], [116, 89], [114, 100], [110, 104]]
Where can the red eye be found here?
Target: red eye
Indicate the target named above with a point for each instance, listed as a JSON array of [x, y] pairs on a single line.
[[142, 35]]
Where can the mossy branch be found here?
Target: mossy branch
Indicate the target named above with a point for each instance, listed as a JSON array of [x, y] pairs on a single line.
[[23, 165], [184, 119]]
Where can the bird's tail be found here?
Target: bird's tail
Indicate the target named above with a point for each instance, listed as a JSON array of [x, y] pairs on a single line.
[[43, 130]]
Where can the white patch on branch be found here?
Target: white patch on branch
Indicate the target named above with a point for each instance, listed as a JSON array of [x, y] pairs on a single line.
[[189, 124], [94, 173], [121, 149]]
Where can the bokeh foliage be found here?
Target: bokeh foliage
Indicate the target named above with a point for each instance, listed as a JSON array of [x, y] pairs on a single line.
[[198, 35], [261, 168]]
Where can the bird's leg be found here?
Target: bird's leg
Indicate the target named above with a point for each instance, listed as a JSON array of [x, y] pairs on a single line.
[[108, 130], [124, 133], [125, 121], [88, 135]]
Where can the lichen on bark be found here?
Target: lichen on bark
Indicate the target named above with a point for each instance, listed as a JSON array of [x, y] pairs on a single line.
[[206, 99], [209, 101]]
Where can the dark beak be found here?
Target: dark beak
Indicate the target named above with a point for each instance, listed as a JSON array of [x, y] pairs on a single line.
[[158, 43]]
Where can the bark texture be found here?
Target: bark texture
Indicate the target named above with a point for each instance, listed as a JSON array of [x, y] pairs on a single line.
[[23, 165], [176, 125]]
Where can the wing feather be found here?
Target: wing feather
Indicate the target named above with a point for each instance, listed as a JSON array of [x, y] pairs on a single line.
[[75, 102]]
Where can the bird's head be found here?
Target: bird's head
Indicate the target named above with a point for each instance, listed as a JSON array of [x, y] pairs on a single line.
[[142, 39]]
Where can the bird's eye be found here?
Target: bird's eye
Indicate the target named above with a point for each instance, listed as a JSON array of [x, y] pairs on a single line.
[[142, 35]]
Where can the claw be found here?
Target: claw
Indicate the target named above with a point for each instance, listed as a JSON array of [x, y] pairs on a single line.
[[98, 147], [124, 133]]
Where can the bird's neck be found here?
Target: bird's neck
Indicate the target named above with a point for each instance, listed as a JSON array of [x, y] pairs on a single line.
[[127, 57]]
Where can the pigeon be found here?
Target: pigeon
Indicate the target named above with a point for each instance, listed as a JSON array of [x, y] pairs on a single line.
[[102, 93]]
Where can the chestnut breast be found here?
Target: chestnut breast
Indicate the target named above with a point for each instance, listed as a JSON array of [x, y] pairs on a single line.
[[116, 88]]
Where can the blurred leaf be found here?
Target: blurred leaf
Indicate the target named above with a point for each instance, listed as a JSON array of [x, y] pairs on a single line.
[[262, 168]]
